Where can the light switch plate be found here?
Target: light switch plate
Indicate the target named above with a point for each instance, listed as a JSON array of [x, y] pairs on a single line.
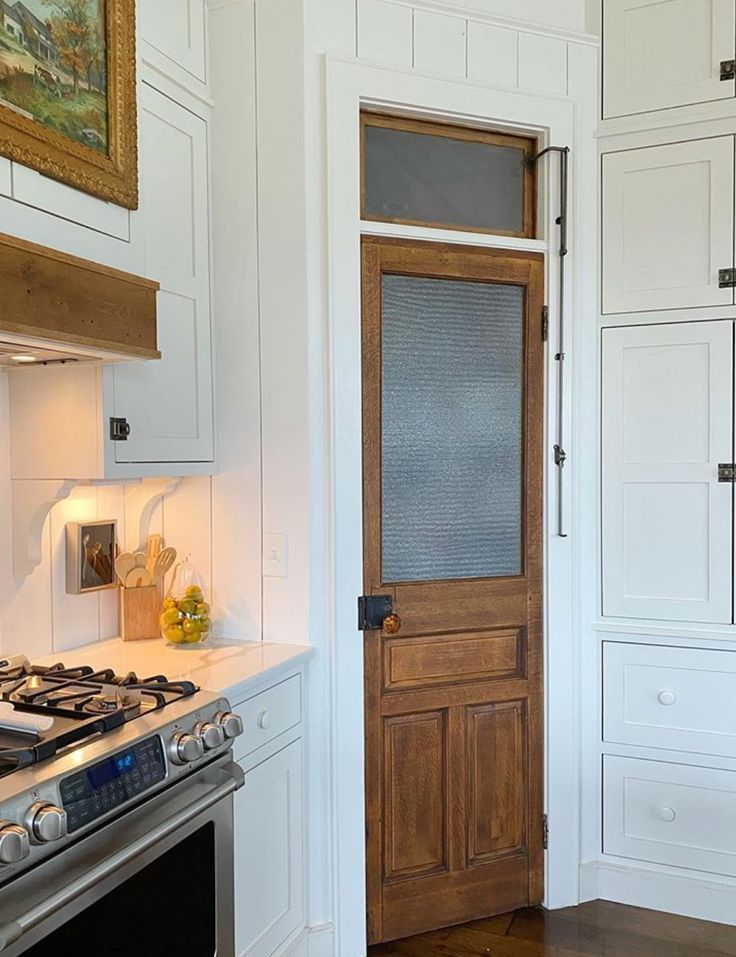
[[274, 555]]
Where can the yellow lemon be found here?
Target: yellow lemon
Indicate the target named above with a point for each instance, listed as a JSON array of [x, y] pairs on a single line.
[[170, 617], [203, 609], [175, 634], [195, 592], [188, 606]]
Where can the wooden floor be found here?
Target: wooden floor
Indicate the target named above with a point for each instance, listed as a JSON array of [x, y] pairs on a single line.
[[597, 929]]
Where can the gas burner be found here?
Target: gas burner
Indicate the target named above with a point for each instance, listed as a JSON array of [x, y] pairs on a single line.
[[114, 698]]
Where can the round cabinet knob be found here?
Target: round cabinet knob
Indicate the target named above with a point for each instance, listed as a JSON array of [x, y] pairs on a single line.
[[667, 814], [211, 735], [392, 624], [667, 697], [185, 748], [231, 724], [14, 843], [46, 822], [264, 720]]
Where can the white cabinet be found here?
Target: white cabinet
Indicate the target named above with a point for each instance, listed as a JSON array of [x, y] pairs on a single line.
[[668, 226], [671, 698], [665, 53], [667, 425], [167, 403], [670, 814], [269, 854]]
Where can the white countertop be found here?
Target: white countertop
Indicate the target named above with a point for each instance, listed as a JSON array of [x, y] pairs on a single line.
[[229, 667]]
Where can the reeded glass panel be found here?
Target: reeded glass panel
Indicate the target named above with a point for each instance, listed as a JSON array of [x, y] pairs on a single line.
[[452, 410], [418, 177]]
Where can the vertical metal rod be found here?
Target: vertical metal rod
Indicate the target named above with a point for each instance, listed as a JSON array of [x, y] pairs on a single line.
[[562, 222]]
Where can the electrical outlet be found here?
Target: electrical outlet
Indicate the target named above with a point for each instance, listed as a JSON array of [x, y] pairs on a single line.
[[274, 555]]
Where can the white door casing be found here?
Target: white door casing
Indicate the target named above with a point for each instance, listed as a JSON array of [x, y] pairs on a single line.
[[667, 424], [665, 53], [668, 226]]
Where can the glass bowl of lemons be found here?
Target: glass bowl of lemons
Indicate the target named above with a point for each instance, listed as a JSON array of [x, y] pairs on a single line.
[[185, 616]]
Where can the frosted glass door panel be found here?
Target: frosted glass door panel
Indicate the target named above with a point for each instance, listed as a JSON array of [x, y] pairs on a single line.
[[667, 394], [452, 423], [471, 181]]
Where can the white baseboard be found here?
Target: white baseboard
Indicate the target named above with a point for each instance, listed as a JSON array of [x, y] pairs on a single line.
[[690, 894]]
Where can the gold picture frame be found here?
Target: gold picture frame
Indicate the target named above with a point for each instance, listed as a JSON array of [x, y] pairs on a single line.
[[110, 174]]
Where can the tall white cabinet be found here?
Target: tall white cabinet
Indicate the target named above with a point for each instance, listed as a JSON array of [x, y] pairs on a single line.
[[666, 762]]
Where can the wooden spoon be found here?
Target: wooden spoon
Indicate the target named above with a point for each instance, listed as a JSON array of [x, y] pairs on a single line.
[[138, 578]]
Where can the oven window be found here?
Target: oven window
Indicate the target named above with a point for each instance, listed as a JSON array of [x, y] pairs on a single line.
[[169, 907]]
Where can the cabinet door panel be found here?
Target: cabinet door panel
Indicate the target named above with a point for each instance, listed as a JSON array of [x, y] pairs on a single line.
[[667, 398], [665, 53], [667, 226], [176, 28], [269, 854], [168, 403]]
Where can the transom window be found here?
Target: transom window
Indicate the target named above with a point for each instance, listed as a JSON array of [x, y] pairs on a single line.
[[452, 177]]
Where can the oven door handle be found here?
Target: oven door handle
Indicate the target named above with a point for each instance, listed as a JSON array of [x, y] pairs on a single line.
[[14, 930]]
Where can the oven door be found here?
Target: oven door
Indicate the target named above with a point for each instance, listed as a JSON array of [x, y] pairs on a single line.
[[159, 880]]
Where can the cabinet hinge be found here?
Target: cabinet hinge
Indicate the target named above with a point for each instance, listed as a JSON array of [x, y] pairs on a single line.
[[545, 831], [119, 429], [728, 69], [726, 278], [372, 610], [727, 472], [545, 323]]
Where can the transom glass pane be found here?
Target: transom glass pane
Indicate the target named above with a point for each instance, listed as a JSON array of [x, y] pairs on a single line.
[[471, 181], [452, 428]]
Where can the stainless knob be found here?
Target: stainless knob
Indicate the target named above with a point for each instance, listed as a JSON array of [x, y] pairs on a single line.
[[231, 724], [185, 748], [45, 822], [14, 843], [211, 735]]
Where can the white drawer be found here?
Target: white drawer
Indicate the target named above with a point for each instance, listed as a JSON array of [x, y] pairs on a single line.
[[670, 814], [269, 714], [676, 698]]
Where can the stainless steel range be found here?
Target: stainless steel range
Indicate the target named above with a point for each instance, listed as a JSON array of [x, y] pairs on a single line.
[[115, 811]]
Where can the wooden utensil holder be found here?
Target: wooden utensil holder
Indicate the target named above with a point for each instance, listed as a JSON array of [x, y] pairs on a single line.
[[139, 612]]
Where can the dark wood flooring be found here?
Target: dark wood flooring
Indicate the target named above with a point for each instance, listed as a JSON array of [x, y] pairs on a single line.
[[597, 929]]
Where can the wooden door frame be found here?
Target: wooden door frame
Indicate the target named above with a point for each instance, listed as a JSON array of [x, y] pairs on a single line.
[[350, 86]]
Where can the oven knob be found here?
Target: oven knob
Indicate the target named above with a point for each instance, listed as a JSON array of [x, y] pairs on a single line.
[[211, 735], [231, 724], [14, 843], [46, 822], [185, 748]]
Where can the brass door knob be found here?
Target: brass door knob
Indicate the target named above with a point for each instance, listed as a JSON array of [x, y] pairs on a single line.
[[392, 624]]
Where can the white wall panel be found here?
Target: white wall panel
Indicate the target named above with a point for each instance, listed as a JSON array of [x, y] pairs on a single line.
[[493, 54], [176, 28], [667, 225], [111, 505], [542, 63], [667, 424], [385, 32], [665, 53], [5, 177], [439, 43]]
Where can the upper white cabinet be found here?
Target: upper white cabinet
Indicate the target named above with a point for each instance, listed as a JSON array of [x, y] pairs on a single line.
[[666, 53], [176, 30], [668, 226], [667, 425]]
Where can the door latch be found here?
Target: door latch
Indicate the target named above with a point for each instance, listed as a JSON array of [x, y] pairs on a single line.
[[726, 278], [727, 472], [372, 610], [119, 429], [728, 69]]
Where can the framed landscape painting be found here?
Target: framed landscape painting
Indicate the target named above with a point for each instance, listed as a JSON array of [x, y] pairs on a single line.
[[68, 93]]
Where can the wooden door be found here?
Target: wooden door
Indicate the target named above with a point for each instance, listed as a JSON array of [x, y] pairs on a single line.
[[668, 225], [667, 425], [665, 53], [452, 464]]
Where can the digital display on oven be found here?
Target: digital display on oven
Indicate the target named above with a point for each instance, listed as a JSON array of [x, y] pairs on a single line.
[[107, 771]]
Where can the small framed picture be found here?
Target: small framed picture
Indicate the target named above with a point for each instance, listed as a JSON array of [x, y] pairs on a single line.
[[91, 549]]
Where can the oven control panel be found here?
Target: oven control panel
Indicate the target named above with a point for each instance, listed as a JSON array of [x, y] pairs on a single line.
[[106, 785]]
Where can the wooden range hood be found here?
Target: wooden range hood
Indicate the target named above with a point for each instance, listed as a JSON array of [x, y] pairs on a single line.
[[59, 304]]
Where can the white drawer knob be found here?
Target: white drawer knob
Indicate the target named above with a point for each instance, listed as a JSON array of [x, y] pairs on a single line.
[[264, 720], [667, 698], [667, 814]]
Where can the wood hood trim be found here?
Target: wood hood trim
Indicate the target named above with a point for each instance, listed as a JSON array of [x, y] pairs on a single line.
[[52, 296]]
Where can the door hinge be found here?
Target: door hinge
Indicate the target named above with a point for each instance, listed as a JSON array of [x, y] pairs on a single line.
[[372, 610], [727, 472], [545, 323], [728, 69], [726, 278], [545, 831], [119, 429]]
